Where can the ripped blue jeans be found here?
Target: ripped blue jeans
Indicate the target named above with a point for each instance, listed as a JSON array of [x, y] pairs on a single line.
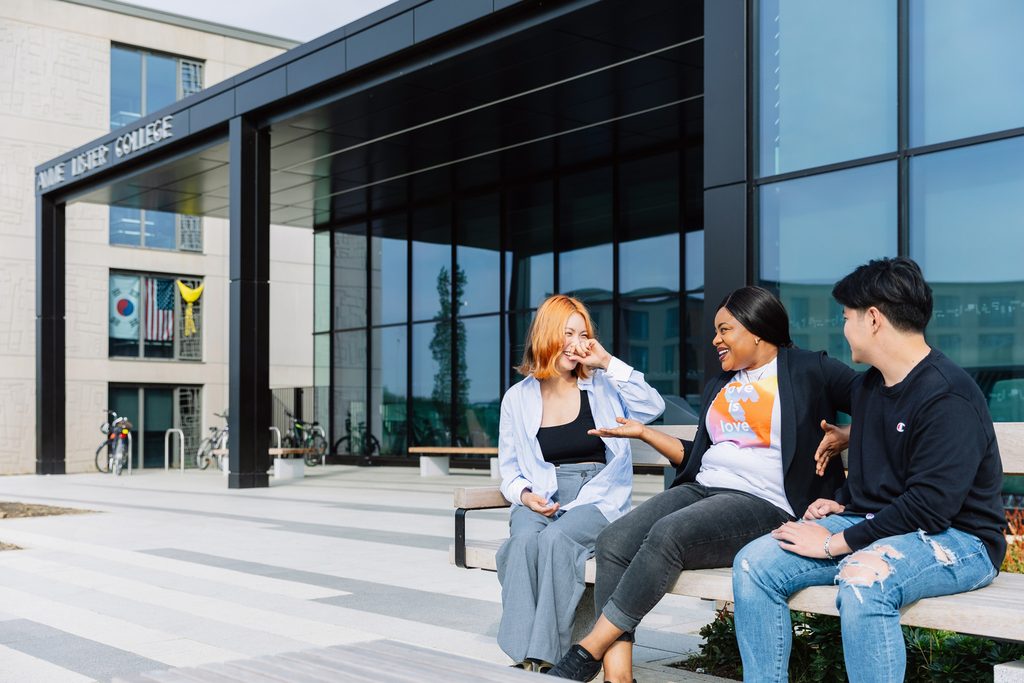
[[874, 583]]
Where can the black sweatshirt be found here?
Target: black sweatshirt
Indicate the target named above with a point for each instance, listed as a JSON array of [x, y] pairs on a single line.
[[923, 455]]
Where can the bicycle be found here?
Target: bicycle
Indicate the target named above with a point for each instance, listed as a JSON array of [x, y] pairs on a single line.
[[308, 435], [357, 440], [217, 440], [116, 444]]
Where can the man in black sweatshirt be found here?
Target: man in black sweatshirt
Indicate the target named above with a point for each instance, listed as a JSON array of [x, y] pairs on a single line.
[[920, 513]]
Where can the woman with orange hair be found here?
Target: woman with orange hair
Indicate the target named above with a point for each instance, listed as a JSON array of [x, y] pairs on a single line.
[[565, 486]]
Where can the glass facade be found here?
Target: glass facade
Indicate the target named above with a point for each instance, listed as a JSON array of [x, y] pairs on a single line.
[[428, 323], [950, 201]]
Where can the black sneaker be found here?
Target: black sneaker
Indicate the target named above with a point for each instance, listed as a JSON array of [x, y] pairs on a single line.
[[576, 665]]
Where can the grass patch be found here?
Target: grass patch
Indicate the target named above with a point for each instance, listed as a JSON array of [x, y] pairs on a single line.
[[15, 510]]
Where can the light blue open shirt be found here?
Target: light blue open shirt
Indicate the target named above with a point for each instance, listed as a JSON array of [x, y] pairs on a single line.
[[618, 392]]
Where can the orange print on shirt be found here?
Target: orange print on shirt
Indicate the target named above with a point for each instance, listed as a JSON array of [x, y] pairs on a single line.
[[742, 413]]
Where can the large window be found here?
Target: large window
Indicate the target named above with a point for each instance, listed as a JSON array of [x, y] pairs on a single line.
[[967, 232], [826, 82], [966, 68], [152, 410], [940, 195], [154, 316], [142, 82]]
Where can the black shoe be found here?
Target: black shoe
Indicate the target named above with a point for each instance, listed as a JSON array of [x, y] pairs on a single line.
[[576, 665]]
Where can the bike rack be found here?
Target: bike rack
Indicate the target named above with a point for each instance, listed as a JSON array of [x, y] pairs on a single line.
[[278, 432], [181, 448]]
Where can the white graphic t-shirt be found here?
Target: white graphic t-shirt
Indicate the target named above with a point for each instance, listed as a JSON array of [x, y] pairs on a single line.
[[745, 425]]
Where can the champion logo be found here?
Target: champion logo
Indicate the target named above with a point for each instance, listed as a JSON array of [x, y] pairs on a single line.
[[900, 427]]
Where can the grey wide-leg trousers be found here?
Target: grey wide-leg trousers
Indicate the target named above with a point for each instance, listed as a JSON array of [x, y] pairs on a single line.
[[541, 570]]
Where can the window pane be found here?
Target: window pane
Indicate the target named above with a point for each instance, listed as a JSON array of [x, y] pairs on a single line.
[[693, 323], [967, 232], [158, 304], [966, 68], [161, 81], [388, 393], [123, 326], [125, 86], [517, 326], [322, 281], [431, 264], [649, 266], [529, 261], [161, 230], [585, 262], [390, 270], [478, 256], [650, 340], [158, 417], [125, 226], [827, 82], [349, 388], [431, 384], [350, 277], [322, 380], [478, 390], [191, 77], [190, 322], [816, 230], [649, 224], [191, 230]]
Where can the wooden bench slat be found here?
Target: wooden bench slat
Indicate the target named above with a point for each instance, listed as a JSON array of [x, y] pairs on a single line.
[[479, 498], [996, 611], [453, 450]]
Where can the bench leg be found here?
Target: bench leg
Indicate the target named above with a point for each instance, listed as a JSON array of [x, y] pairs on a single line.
[[289, 468], [433, 465], [460, 537]]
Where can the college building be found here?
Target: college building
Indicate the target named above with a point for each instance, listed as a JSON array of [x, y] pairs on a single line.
[[71, 72], [454, 162]]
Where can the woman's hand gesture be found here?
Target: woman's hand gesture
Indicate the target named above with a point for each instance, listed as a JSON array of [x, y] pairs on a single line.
[[628, 429], [538, 503], [590, 353], [834, 442]]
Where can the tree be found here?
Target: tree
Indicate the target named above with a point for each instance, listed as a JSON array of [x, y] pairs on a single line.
[[441, 346]]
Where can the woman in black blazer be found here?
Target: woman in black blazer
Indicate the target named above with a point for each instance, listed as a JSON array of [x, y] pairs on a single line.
[[749, 469]]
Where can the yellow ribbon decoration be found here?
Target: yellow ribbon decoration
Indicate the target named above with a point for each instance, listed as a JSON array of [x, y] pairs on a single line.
[[190, 296]]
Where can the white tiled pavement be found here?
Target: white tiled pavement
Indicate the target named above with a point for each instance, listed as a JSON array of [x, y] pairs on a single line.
[[174, 569]]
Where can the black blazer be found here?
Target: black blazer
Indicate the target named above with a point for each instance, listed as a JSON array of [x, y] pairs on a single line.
[[812, 388]]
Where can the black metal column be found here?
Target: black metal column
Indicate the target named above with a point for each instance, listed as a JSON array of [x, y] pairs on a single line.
[[249, 347], [728, 237], [50, 337]]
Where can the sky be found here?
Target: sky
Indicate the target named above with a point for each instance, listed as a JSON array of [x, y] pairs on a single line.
[[300, 20]]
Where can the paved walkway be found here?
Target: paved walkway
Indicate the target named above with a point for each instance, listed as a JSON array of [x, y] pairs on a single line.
[[176, 570]]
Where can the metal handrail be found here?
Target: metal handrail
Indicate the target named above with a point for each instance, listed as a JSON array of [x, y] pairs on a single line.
[[181, 448], [278, 432]]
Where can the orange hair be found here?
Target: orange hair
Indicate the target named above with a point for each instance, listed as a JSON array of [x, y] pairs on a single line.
[[546, 338]]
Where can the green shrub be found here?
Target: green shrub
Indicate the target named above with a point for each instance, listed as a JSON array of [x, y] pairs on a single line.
[[817, 655]]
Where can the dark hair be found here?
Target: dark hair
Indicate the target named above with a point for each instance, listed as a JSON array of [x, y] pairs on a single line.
[[895, 286], [761, 313]]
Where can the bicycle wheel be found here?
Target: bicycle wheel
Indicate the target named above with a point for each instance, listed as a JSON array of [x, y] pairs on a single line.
[[119, 455], [203, 454], [319, 445], [103, 458], [374, 445]]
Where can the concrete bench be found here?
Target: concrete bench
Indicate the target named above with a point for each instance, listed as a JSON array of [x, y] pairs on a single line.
[[996, 611], [285, 467], [434, 459]]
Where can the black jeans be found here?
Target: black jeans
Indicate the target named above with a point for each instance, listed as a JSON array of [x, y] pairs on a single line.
[[686, 527]]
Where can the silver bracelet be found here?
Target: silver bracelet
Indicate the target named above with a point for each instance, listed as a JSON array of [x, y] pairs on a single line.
[[828, 554]]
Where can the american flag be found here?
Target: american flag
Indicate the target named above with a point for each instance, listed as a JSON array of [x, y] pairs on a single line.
[[159, 307]]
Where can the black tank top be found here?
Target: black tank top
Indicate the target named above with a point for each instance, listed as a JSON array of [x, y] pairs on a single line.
[[569, 443]]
